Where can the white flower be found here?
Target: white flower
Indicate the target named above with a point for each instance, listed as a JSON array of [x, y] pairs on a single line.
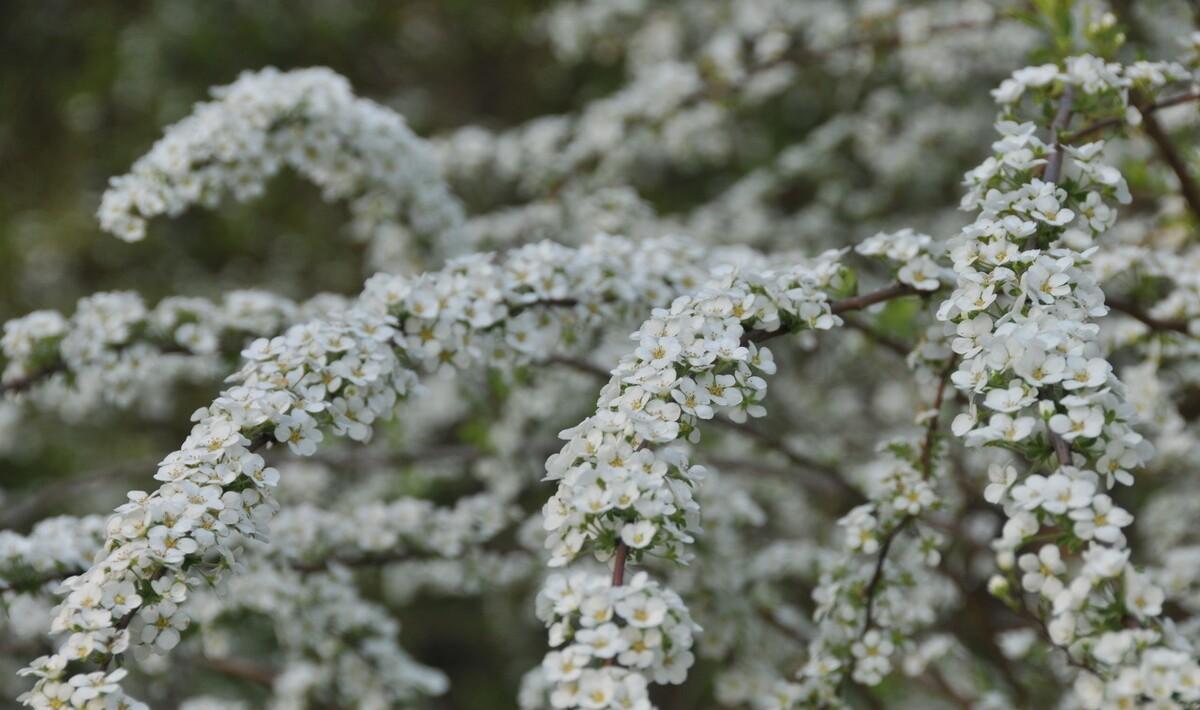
[[872, 654], [1062, 493], [642, 610], [1078, 422], [604, 641], [921, 273], [1102, 521], [1001, 479], [596, 689], [1042, 571], [1047, 209], [1142, 598], [567, 664], [1015, 397], [300, 433], [638, 535], [164, 621]]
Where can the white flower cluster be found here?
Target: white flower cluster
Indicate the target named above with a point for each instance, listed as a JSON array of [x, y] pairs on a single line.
[[694, 68], [1021, 317], [654, 118], [300, 579], [308, 535], [693, 361], [881, 589], [337, 375], [309, 121], [622, 488], [697, 71], [1180, 268], [116, 351], [53, 545], [914, 253], [613, 639], [339, 648]]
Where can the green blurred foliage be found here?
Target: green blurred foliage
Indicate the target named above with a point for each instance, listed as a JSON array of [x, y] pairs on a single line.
[[85, 88]]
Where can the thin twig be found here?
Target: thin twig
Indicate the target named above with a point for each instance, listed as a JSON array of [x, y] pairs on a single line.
[[939, 683], [899, 347], [1129, 309], [579, 365], [877, 575], [1061, 119], [831, 473], [926, 459], [1167, 151], [242, 669], [857, 303], [1146, 111], [20, 384], [1062, 449], [618, 574], [854, 303]]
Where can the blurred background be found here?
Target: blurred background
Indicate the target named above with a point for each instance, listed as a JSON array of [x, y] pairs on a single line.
[[87, 87]]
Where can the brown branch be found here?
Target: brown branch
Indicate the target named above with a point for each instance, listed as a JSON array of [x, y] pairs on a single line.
[[377, 559], [897, 346], [857, 303], [579, 365], [241, 669], [926, 459], [20, 384], [854, 303], [1131, 310], [845, 305], [877, 576], [618, 574], [768, 616], [1166, 150], [892, 40], [931, 428], [1146, 110], [938, 682], [25, 511], [1061, 119], [830, 473], [1062, 449]]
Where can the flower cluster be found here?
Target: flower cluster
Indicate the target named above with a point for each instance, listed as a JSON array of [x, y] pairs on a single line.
[[307, 535], [300, 579], [336, 375], [307, 120], [693, 361], [1021, 316], [882, 589], [53, 545], [34, 563], [613, 639], [698, 72], [116, 351], [621, 487], [339, 648], [819, 574], [915, 255]]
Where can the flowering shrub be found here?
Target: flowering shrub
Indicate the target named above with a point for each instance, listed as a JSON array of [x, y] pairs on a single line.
[[968, 484]]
